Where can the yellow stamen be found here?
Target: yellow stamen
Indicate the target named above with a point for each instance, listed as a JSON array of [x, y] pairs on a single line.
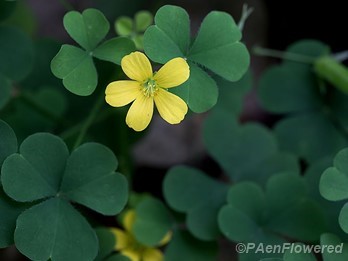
[[150, 88]]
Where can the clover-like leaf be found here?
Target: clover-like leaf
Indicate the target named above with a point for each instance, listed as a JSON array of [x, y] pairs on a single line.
[[74, 65], [16, 52], [101, 189], [43, 170], [225, 55], [88, 28], [153, 221], [54, 230], [185, 190], [184, 247], [143, 19]]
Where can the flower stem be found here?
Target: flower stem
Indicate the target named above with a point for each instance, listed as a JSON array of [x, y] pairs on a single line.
[[89, 121], [283, 55]]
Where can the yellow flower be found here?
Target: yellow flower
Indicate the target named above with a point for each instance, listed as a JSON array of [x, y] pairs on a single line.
[[128, 246], [147, 88]]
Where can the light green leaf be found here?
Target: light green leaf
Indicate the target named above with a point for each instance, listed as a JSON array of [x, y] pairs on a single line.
[[114, 49], [77, 70], [199, 91], [35, 173], [124, 26], [101, 189], [16, 52], [153, 221], [54, 230], [220, 50], [88, 28], [143, 19]]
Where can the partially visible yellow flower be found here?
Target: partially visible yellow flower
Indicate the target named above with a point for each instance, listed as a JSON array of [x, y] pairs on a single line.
[[128, 246], [147, 88]]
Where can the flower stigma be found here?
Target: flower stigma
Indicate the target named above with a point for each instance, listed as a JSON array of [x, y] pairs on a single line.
[[150, 88]]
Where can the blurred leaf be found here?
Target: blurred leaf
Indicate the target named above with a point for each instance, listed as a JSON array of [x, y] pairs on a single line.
[[5, 90], [77, 70], [9, 211], [124, 26], [8, 142], [6, 8], [107, 50], [185, 190], [16, 52], [54, 230], [106, 241], [295, 256], [311, 136], [143, 19], [117, 257], [153, 221], [333, 240], [343, 218], [284, 91], [225, 56], [186, 248], [88, 28]]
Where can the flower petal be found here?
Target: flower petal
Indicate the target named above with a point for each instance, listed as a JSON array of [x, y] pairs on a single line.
[[140, 113], [137, 66], [132, 254], [173, 73], [152, 254], [121, 93], [128, 220], [122, 239], [171, 108]]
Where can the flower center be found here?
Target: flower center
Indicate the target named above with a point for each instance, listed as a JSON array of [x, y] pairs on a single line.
[[150, 88]]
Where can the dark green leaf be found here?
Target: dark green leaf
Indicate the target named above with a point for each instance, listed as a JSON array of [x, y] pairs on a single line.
[[298, 255], [100, 189], [6, 8], [88, 28], [54, 230], [5, 90], [8, 141], [343, 218], [77, 70], [16, 52], [117, 257], [331, 239], [35, 173], [106, 241], [153, 221], [114, 49]]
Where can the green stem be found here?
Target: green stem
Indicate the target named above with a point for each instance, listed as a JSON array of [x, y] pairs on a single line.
[[89, 121], [283, 55], [246, 12]]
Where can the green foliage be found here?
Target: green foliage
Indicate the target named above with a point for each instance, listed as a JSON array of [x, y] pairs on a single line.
[[225, 55], [43, 170], [106, 241], [75, 66], [313, 128], [6, 8], [125, 26]]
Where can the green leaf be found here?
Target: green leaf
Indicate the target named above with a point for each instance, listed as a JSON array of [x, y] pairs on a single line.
[[333, 240], [170, 37], [16, 52], [5, 90], [199, 91], [334, 184], [311, 136], [88, 28], [54, 230], [117, 257], [153, 221], [186, 248], [248, 145], [101, 189], [343, 218], [225, 55], [301, 256], [143, 19], [6, 9], [106, 241], [35, 173], [75, 67], [9, 211], [114, 49], [124, 26], [8, 141], [284, 91], [185, 190]]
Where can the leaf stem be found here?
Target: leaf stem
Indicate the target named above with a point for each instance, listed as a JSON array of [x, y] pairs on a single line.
[[89, 121], [246, 12], [257, 50]]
